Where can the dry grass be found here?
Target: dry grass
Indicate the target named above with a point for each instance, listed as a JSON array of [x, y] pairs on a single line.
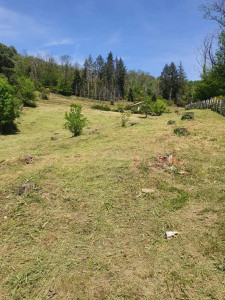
[[86, 232]]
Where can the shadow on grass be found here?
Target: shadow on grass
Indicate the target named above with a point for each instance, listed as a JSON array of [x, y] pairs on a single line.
[[9, 130]]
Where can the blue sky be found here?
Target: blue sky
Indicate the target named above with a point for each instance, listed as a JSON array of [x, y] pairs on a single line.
[[147, 34]]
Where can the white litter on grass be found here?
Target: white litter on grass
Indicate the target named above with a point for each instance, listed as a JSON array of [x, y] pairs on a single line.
[[171, 234], [147, 191]]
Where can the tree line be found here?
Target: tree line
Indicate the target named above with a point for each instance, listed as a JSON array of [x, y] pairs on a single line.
[[102, 79]]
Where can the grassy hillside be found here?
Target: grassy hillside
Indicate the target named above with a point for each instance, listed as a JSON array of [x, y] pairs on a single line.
[[87, 232]]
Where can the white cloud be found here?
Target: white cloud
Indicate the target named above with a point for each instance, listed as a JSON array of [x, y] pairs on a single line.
[[17, 25], [66, 41]]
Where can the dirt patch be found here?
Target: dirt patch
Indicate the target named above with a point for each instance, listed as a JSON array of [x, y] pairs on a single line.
[[26, 187], [27, 159], [136, 162]]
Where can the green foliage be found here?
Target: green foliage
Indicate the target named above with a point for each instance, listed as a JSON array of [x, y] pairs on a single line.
[[7, 64], [125, 117], [120, 107], [44, 95], [26, 91], [120, 72], [213, 83], [77, 82], [154, 97], [180, 131], [127, 107], [188, 116], [130, 95], [171, 122], [173, 82], [170, 102], [145, 107], [8, 111], [158, 107], [153, 108], [75, 121], [209, 86], [101, 107]]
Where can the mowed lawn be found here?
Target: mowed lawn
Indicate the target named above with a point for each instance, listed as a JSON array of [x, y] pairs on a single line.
[[87, 231]]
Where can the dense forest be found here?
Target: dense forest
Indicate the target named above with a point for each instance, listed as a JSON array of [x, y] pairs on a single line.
[[102, 79]]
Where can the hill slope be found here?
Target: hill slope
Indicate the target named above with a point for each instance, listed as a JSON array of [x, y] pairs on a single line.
[[87, 232]]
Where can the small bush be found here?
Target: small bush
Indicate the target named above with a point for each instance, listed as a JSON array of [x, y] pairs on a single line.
[[65, 92], [153, 108], [170, 122], [112, 102], [101, 107], [127, 107], [180, 131], [120, 107], [44, 95], [188, 116], [145, 107], [170, 102], [75, 121], [125, 117], [135, 111], [158, 107], [54, 89]]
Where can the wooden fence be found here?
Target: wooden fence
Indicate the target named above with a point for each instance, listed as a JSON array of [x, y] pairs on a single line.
[[213, 104]]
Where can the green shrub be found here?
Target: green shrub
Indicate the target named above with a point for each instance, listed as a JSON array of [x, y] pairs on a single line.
[[65, 92], [170, 102], [188, 116], [145, 107], [101, 107], [170, 122], [125, 117], [127, 107], [154, 108], [120, 107], [75, 121], [158, 107], [135, 111], [8, 110], [44, 95], [180, 131], [54, 89], [26, 91]]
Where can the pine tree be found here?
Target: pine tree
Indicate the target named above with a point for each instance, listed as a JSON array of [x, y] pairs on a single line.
[[169, 82], [174, 85], [84, 81], [109, 74], [76, 82], [120, 74], [165, 83], [181, 83], [99, 66]]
